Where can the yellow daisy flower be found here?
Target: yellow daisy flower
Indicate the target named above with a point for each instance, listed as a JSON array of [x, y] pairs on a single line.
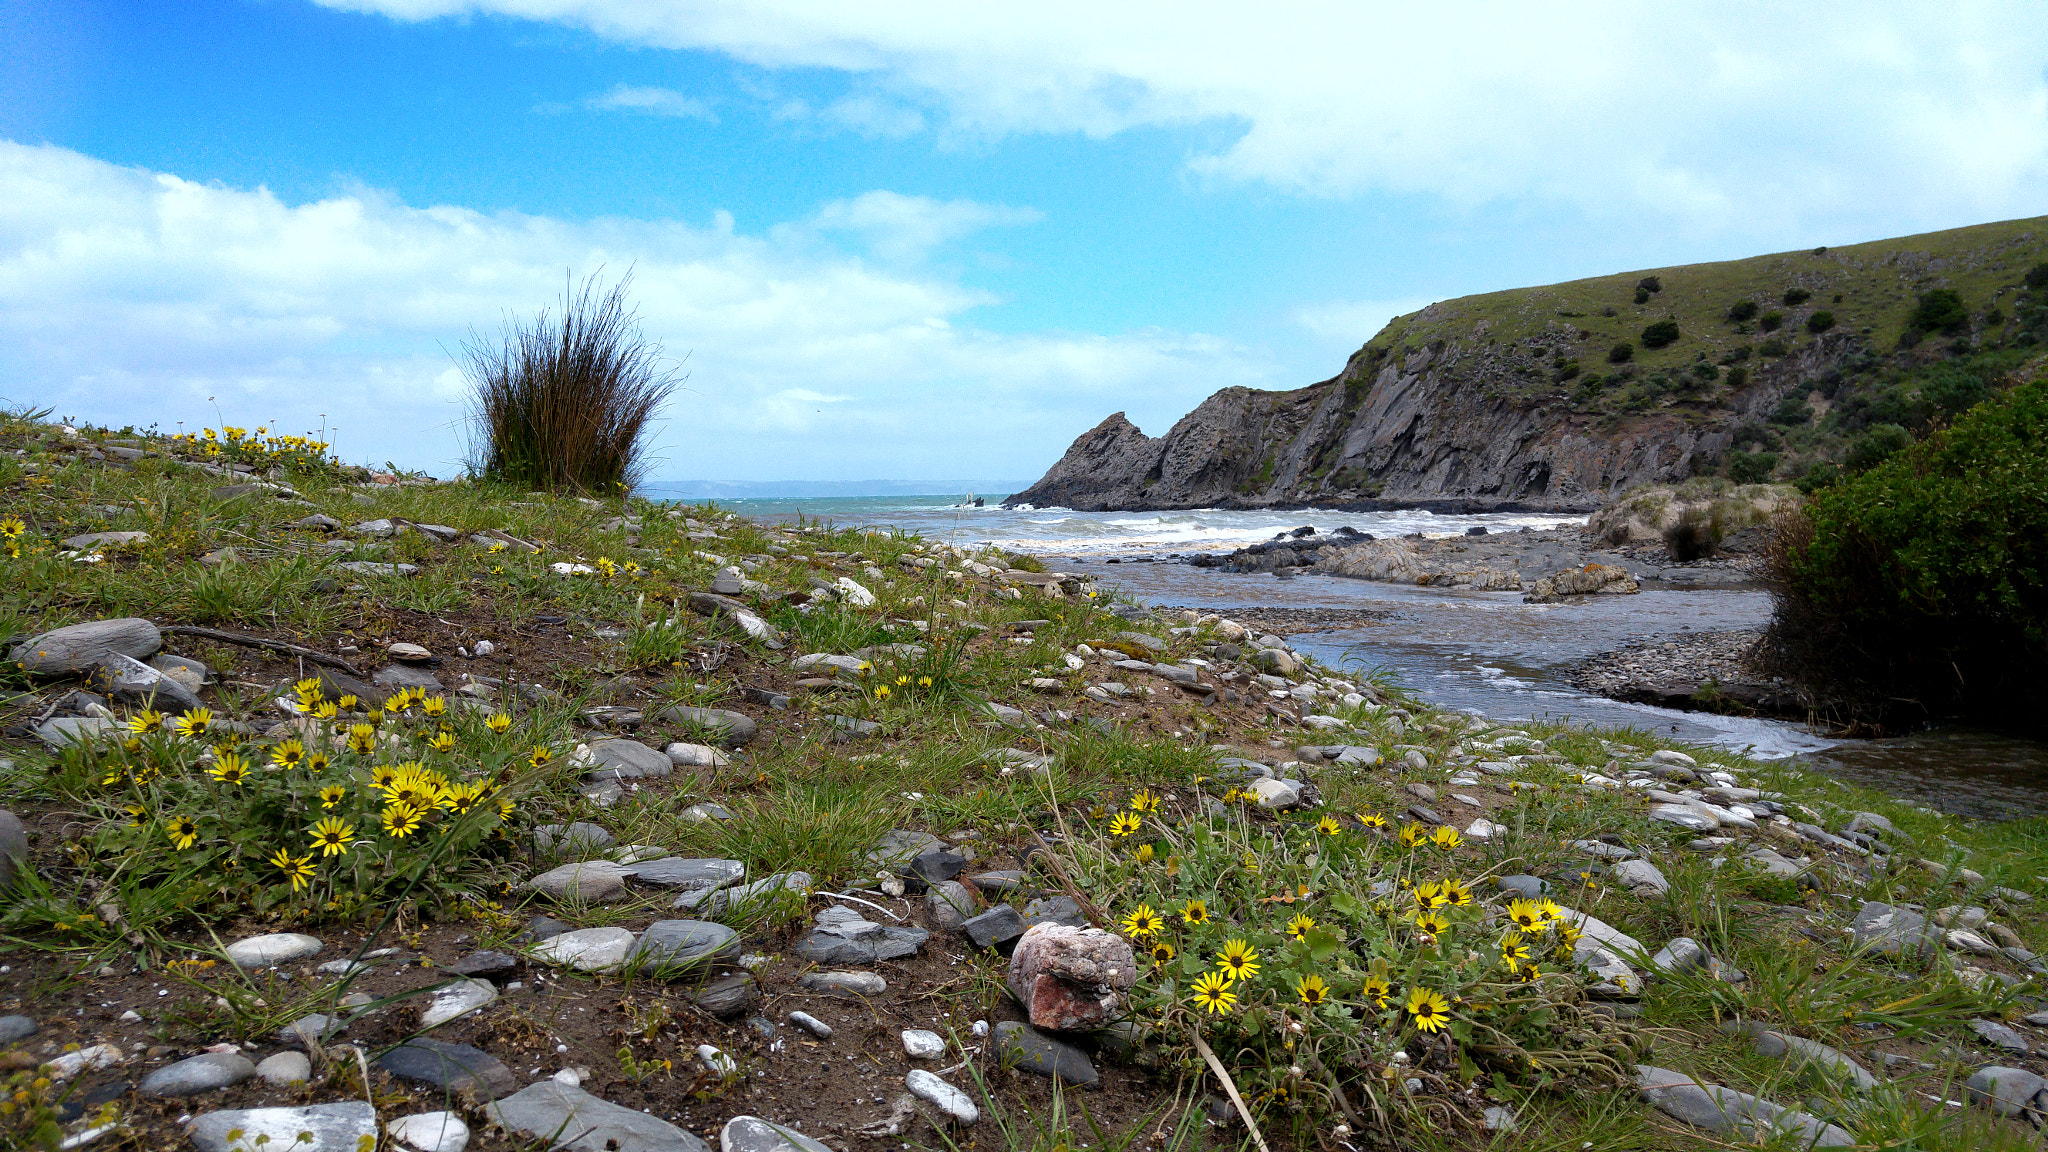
[[362, 739], [1312, 991], [1239, 959], [183, 831], [1143, 922], [1447, 837], [1195, 912], [1299, 926], [1212, 992], [1377, 989], [1428, 1009], [297, 869], [332, 836], [400, 821], [1372, 820], [229, 768], [1125, 823], [498, 723], [332, 795], [146, 721], [1413, 834], [1145, 802], [289, 754]]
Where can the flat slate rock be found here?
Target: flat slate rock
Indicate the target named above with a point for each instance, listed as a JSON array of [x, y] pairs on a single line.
[[272, 948], [335, 1128], [2006, 1091], [995, 927], [627, 760], [563, 1117], [1026, 1047], [197, 1074], [588, 881], [728, 996], [1894, 931], [76, 648], [579, 837], [484, 964], [1724, 1110], [400, 676], [753, 1134], [586, 949], [458, 1068], [732, 729], [900, 846], [689, 874], [675, 946]]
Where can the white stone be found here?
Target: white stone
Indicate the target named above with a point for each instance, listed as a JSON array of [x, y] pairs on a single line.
[[587, 949], [695, 756], [941, 1095], [920, 1044], [457, 1000], [855, 594], [1483, 829], [717, 1062], [275, 948], [430, 1132]]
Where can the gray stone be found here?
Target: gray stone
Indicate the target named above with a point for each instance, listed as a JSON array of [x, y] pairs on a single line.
[[132, 682], [1641, 877], [484, 964], [1277, 794], [671, 947], [923, 1044], [311, 1030], [900, 846], [936, 864], [941, 1095], [844, 937], [994, 928], [371, 568], [586, 950], [741, 897], [545, 928], [198, 1074], [998, 883], [948, 905], [14, 858], [1027, 1048], [1892, 930], [627, 760], [578, 838], [590, 881], [430, 1132], [1525, 886], [690, 874], [1992, 1032], [456, 1000], [78, 647], [728, 996], [564, 1117], [2006, 1091], [400, 676], [285, 1069], [1681, 955], [334, 1128], [1724, 1110], [318, 522], [1054, 910], [753, 1134], [844, 983], [16, 1028], [457, 1068], [272, 949], [1685, 817], [730, 728], [812, 1024], [67, 730]]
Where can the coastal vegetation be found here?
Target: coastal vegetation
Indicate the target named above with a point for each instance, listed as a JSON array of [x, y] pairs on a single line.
[[440, 745]]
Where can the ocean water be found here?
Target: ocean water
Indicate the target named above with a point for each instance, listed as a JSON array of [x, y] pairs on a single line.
[[1484, 652]]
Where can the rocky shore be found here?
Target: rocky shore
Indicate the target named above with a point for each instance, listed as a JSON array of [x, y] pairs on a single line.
[[1700, 671]]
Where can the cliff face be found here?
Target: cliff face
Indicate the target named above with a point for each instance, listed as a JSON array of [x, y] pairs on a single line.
[[1558, 397]]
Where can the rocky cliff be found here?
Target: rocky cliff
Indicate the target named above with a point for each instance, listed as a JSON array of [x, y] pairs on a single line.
[[1559, 397]]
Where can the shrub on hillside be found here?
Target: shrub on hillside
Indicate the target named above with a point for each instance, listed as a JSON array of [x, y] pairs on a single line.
[[1737, 377], [1771, 321], [1940, 311], [1752, 467], [1922, 585], [1878, 443], [1794, 297], [2037, 276], [1742, 310], [563, 404], [1791, 410], [1621, 353], [1661, 334], [1773, 347], [1820, 322]]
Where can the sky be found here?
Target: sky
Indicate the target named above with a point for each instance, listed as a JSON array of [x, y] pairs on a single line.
[[917, 241]]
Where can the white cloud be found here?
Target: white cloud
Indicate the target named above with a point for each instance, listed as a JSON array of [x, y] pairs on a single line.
[[130, 296], [1353, 322], [653, 101], [1737, 116]]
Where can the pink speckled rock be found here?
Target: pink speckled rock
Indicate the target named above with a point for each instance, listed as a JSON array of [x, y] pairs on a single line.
[[1071, 979]]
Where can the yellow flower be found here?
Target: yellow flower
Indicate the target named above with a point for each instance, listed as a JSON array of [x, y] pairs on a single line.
[[1430, 922], [347, 702], [1428, 1009], [607, 565], [332, 836], [1456, 894], [11, 527], [137, 815], [362, 739], [400, 821], [326, 710], [1513, 950], [1526, 915], [1145, 802], [297, 869], [1530, 973], [1413, 834], [498, 722], [924, 681], [506, 808], [289, 754], [308, 691], [145, 722], [1162, 952], [903, 681], [1125, 823], [1239, 959], [1447, 837], [1430, 895], [434, 705], [374, 717], [1550, 912], [1328, 826], [881, 691], [443, 742], [1212, 991], [1312, 991], [1299, 926], [1567, 935], [1377, 989], [331, 795], [1144, 853], [228, 768], [1143, 922], [540, 756], [183, 831], [1195, 912]]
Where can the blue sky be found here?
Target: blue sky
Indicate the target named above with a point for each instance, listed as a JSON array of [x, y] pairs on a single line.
[[913, 240]]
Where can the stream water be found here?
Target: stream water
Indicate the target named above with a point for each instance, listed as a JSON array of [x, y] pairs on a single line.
[[1483, 651]]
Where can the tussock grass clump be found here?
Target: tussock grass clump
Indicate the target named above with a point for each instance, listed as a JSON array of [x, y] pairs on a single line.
[[562, 404]]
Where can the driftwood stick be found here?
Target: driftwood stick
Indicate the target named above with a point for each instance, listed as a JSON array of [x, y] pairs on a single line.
[[260, 642]]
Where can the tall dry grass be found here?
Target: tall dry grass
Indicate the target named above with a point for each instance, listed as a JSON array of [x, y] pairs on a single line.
[[563, 404]]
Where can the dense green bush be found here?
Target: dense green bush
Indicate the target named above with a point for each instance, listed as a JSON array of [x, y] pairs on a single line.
[[1752, 467], [1741, 311], [1820, 322], [1772, 347], [1940, 311], [1878, 443], [1817, 476], [1771, 321], [1791, 410], [1661, 334], [2037, 276], [1621, 353], [1921, 586], [1794, 297], [1650, 284]]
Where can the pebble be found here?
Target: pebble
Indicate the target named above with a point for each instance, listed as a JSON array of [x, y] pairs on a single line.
[[587, 949], [920, 1044], [811, 1024], [13, 1028], [340, 1127], [272, 949], [430, 1132], [753, 1134], [717, 1062], [456, 1000], [844, 983], [198, 1074], [285, 1069], [941, 1095]]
